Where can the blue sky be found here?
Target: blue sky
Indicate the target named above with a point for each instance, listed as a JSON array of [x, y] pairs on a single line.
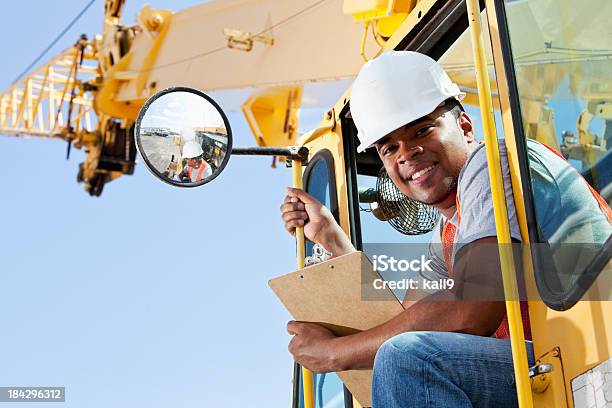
[[149, 296]]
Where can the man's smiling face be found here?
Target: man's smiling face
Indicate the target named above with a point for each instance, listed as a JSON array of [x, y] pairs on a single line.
[[194, 162], [424, 157]]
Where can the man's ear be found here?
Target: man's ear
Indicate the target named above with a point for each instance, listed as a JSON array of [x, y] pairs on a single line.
[[465, 124]]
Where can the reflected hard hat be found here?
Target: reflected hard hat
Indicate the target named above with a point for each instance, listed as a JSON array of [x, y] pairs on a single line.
[[192, 149], [395, 89]]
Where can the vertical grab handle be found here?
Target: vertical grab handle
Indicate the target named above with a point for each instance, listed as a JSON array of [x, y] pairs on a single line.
[[307, 376], [517, 338]]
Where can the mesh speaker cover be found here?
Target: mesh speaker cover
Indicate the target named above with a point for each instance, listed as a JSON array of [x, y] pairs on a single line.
[[405, 215]]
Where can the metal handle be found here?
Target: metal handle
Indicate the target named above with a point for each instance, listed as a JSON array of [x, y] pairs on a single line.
[[539, 369]]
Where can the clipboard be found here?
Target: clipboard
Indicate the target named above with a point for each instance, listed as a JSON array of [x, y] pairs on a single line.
[[331, 294]]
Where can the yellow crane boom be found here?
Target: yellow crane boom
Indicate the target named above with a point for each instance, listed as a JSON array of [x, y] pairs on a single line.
[[90, 94]]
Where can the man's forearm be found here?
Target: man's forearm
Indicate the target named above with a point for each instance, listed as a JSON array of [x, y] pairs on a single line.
[[358, 350], [335, 241]]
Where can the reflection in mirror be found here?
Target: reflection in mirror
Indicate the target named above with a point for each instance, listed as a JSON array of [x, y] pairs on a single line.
[[183, 137]]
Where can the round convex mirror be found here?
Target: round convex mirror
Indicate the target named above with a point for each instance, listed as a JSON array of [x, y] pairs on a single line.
[[183, 136]]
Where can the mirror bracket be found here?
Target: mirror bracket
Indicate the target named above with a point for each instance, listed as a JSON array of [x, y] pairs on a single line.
[[290, 152]]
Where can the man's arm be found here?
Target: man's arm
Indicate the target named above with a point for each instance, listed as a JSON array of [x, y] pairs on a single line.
[[320, 351], [300, 209], [471, 317]]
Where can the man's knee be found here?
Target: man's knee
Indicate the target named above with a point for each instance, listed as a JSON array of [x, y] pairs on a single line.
[[401, 352]]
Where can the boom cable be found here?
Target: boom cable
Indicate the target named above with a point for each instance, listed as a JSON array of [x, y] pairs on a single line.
[[64, 31]]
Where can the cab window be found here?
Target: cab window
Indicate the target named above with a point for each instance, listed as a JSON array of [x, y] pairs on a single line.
[[563, 90]]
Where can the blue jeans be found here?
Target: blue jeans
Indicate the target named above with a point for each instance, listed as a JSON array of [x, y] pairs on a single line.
[[439, 369]]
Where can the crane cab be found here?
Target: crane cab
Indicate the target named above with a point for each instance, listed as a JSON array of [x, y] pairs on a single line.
[[550, 80]]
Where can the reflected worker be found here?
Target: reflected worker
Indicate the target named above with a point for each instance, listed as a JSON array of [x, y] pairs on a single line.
[[196, 168]]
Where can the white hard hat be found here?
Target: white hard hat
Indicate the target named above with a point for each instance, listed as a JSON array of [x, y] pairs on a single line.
[[395, 89], [192, 149]]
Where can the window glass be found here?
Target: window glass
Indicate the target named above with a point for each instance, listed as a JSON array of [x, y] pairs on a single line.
[[318, 185], [561, 55], [329, 390]]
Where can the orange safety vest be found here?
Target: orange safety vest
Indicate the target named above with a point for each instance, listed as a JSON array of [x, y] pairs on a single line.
[[448, 239], [200, 172]]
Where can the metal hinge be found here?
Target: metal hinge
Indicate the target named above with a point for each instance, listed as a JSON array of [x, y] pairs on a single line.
[[540, 378], [539, 369]]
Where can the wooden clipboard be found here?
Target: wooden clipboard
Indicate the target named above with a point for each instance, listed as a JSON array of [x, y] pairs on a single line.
[[331, 293]]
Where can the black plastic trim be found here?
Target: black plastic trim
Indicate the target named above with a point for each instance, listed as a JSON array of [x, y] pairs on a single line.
[[438, 29], [297, 378], [350, 167]]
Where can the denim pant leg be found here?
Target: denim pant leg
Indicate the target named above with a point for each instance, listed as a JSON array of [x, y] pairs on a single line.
[[439, 369]]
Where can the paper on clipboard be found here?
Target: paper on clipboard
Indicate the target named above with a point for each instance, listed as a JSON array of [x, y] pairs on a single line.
[[330, 293]]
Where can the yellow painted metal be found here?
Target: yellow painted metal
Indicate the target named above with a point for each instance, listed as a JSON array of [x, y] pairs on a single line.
[[67, 84], [549, 389], [519, 354], [328, 136], [509, 136], [388, 13], [209, 65], [244, 41], [367, 9], [37, 103], [419, 10], [307, 376], [135, 61], [383, 17], [308, 382], [385, 27], [366, 27], [584, 331], [272, 115], [156, 24]]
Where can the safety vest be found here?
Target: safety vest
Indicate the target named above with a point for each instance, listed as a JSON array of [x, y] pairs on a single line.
[[200, 171], [449, 231]]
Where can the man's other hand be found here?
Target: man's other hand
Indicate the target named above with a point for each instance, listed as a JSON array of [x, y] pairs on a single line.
[[313, 346], [300, 209]]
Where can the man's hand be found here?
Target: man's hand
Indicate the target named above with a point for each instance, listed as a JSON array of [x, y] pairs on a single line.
[[313, 346], [300, 209]]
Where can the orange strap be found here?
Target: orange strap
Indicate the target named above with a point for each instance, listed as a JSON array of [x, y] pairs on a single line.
[[200, 171], [448, 239], [449, 232]]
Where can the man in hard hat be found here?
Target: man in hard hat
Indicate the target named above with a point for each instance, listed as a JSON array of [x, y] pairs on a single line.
[[451, 353], [197, 168]]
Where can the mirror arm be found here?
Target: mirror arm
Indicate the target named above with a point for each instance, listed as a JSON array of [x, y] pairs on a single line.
[[290, 152]]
